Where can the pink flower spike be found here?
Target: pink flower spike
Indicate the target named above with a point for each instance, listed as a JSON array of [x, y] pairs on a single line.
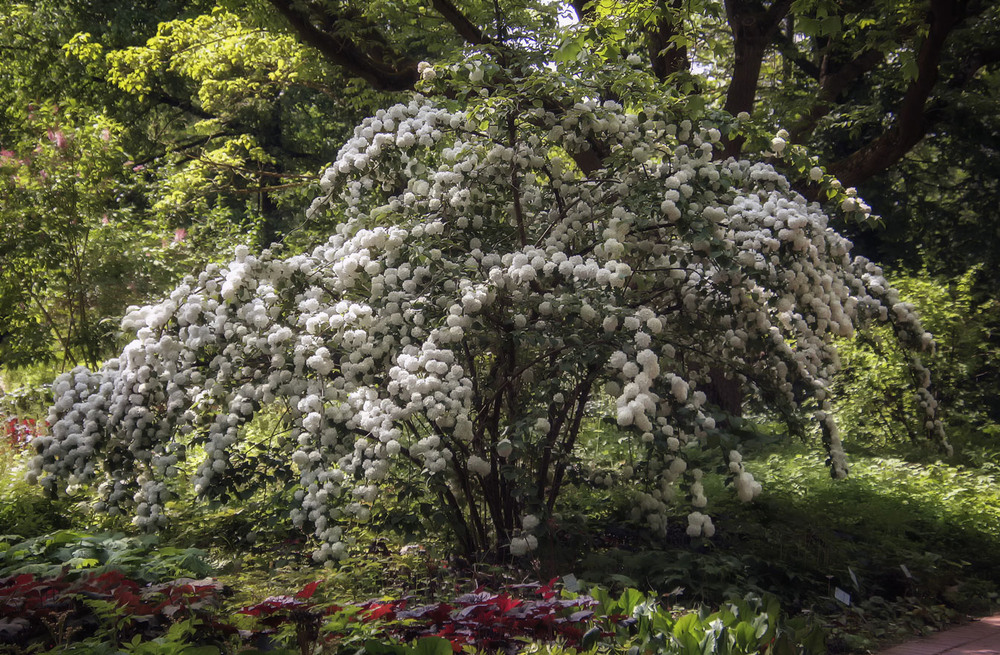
[[180, 234]]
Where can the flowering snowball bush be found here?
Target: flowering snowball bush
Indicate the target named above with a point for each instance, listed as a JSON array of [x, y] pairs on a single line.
[[480, 290]]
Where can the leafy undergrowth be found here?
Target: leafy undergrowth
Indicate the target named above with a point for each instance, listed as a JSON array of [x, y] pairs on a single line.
[[109, 593], [110, 613], [73, 554], [914, 545], [481, 619], [38, 612], [908, 547]]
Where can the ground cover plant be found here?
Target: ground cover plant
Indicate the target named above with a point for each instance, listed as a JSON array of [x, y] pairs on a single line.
[[920, 555], [110, 612], [51, 612]]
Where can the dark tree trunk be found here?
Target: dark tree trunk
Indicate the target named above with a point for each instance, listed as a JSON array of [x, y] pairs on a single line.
[[754, 27], [666, 56], [725, 392]]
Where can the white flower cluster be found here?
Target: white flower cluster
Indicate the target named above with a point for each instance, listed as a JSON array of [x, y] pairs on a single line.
[[700, 525], [478, 289], [527, 542], [746, 487]]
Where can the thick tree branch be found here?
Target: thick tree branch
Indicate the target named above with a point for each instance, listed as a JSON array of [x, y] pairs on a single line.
[[753, 28], [832, 84], [370, 66], [588, 160], [911, 124], [666, 55], [465, 28], [775, 14], [786, 47]]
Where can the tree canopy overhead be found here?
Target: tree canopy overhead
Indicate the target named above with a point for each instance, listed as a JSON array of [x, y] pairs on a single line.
[[833, 54]]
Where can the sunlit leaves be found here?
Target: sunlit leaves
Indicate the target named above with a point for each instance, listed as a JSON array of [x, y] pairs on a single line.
[[72, 248]]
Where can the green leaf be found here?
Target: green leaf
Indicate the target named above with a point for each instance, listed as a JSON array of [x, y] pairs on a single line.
[[687, 624], [629, 599], [709, 643], [590, 637], [433, 646], [376, 647], [908, 60], [570, 48], [830, 25], [745, 636], [809, 26]]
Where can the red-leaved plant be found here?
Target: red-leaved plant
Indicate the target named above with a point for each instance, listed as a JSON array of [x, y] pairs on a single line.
[[482, 619]]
